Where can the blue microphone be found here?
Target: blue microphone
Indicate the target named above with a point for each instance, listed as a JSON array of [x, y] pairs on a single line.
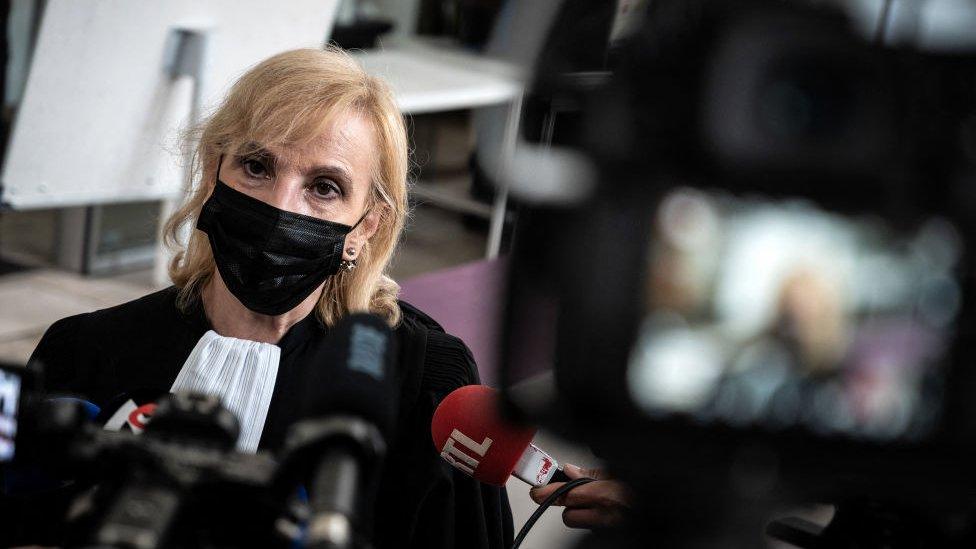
[[91, 409]]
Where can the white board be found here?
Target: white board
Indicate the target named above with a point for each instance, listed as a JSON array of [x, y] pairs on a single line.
[[100, 120]]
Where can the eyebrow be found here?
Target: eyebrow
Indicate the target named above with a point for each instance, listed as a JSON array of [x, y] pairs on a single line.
[[253, 150], [335, 170]]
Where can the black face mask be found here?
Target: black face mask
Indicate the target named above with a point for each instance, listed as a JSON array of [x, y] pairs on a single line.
[[270, 259]]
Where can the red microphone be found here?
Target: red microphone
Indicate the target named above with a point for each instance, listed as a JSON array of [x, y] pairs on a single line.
[[470, 435]]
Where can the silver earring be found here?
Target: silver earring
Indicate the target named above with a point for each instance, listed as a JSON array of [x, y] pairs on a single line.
[[349, 265]]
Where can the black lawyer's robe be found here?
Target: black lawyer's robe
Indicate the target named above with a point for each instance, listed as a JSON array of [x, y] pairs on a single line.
[[422, 501]]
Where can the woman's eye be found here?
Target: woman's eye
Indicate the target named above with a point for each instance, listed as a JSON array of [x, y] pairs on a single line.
[[254, 168], [325, 189]]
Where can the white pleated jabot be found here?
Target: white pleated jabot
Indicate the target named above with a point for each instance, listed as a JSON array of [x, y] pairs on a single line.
[[241, 372]]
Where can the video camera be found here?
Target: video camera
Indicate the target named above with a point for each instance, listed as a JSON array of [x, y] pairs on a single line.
[[68, 480], [179, 485], [766, 295]]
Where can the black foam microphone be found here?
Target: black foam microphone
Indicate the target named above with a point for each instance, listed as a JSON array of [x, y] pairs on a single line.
[[348, 413]]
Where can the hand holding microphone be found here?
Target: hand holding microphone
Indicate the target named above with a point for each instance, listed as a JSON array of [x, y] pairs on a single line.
[[599, 504], [470, 435]]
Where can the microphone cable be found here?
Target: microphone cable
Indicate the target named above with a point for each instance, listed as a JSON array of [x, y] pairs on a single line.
[[545, 505]]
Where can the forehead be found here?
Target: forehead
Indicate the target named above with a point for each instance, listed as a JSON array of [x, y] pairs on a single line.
[[347, 139]]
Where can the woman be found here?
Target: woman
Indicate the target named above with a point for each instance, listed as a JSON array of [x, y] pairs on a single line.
[[300, 200]]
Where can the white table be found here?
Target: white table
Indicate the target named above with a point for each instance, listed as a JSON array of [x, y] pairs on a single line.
[[429, 77]]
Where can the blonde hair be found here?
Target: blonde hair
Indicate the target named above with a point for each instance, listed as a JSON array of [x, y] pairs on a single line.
[[286, 101]]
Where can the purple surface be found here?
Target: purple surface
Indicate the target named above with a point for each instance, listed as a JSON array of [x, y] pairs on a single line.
[[467, 302]]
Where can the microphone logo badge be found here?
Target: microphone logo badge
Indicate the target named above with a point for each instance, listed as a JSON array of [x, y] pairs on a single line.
[[460, 459], [131, 417], [544, 474], [139, 417]]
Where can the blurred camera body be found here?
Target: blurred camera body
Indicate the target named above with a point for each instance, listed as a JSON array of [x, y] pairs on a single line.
[[767, 295]]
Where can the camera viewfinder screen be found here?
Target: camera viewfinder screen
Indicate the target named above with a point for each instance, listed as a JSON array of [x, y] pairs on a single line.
[[778, 314]]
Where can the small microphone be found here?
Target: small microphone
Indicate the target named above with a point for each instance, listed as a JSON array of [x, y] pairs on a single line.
[[470, 435], [92, 410], [130, 411]]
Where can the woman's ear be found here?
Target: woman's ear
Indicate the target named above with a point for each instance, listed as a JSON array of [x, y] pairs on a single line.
[[359, 236]]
